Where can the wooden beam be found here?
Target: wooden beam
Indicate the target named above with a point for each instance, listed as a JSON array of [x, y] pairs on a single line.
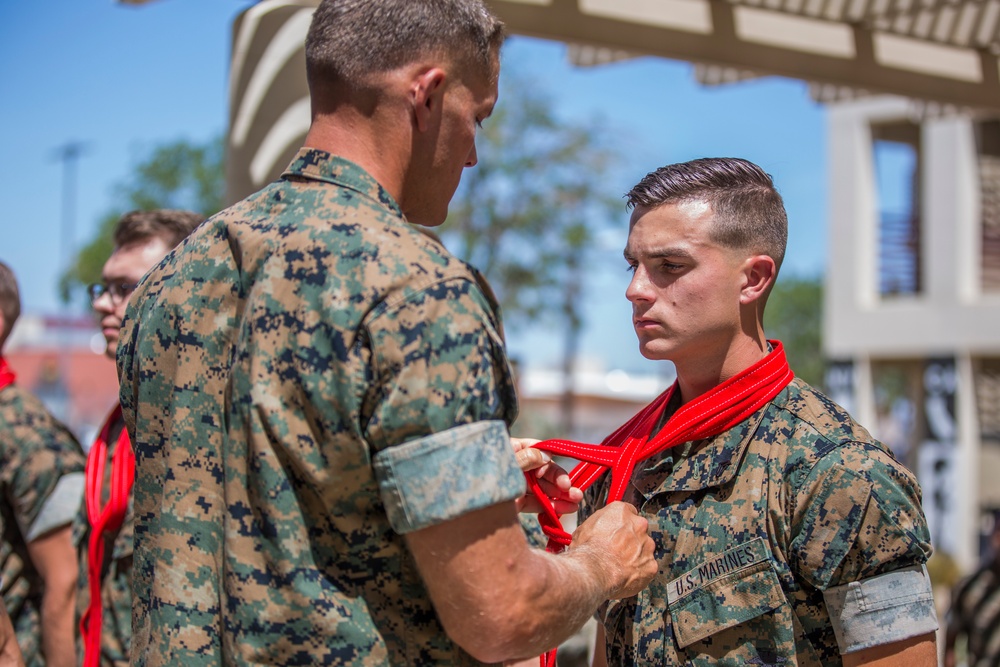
[[562, 20]]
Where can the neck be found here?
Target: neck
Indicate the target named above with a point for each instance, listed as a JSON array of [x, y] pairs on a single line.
[[698, 375], [379, 145]]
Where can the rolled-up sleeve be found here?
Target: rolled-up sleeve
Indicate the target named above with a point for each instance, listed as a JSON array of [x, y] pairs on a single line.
[[442, 476], [861, 538], [882, 609]]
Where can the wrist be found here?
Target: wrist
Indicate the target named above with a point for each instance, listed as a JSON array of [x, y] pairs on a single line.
[[592, 565]]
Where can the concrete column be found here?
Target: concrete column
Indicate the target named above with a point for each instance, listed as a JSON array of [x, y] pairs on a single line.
[[864, 393], [966, 464]]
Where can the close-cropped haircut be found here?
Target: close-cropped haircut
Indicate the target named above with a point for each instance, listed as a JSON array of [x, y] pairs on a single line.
[[748, 212], [168, 224], [351, 40], [10, 301]]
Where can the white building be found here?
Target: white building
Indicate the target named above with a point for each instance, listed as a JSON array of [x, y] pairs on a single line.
[[912, 312]]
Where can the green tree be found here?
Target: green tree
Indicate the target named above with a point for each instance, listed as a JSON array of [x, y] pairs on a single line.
[[794, 315], [178, 174], [527, 214]]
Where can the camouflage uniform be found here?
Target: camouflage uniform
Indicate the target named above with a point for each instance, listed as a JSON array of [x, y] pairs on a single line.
[[308, 377], [41, 480], [116, 584], [787, 540]]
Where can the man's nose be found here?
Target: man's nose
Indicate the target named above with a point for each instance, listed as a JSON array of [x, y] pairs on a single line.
[[640, 287], [102, 304]]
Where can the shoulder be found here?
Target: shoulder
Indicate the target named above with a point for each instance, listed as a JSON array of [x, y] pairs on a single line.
[[820, 436], [312, 242], [30, 423]]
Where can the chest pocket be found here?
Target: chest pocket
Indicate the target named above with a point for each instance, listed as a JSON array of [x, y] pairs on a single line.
[[733, 588]]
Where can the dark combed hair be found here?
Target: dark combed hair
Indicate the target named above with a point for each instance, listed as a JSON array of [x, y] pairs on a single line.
[[168, 224], [748, 212], [10, 301], [351, 40]]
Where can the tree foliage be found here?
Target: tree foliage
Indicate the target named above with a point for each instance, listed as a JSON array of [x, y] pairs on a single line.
[[794, 315], [179, 174], [526, 215]]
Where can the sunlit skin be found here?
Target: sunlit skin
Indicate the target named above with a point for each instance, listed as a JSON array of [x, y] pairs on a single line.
[[448, 135], [127, 264], [430, 110], [694, 301], [553, 479]]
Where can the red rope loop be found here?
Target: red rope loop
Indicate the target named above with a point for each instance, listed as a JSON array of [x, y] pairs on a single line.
[[706, 416]]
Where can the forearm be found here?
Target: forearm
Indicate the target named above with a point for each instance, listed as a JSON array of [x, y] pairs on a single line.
[[515, 606], [57, 618], [10, 654], [918, 651], [553, 597], [54, 557]]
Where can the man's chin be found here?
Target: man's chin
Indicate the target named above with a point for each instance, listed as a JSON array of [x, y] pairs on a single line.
[[427, 219], [425, 215], [654, 352], [110, 349]]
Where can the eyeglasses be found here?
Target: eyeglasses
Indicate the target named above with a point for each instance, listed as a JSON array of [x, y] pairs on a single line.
[[118, 292]]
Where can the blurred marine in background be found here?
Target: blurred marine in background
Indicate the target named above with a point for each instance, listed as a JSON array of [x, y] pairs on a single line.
[[105, 524], [41, 483]]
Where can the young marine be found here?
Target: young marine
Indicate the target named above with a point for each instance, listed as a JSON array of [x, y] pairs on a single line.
[[785, 534]]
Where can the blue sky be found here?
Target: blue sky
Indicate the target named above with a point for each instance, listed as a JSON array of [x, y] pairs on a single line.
[[124, 79]]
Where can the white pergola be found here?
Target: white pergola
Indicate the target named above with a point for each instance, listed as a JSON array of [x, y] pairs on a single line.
[[943, 53]]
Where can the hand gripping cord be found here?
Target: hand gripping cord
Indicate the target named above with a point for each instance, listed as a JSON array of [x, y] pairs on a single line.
[[104, 523], [706, 416]]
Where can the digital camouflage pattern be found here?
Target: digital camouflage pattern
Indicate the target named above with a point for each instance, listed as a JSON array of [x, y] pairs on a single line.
[[272, 368], [36, 452], [116, 582], [753, 526]]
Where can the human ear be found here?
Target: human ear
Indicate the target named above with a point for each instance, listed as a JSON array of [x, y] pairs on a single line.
[[426, 93], [759, 273]]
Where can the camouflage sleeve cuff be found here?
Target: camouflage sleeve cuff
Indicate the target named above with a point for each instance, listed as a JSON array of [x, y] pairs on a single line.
[[447, 474], [883, 609], [60, 507]]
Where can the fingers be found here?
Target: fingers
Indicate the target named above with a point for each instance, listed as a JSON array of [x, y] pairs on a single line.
[[522, 443], [563, 502], [628, 558], [558, 492], [529, 504], [553, 480], [529, 458]]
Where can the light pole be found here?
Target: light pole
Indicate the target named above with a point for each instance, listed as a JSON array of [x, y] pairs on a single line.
[[56, 396], [68, 154]]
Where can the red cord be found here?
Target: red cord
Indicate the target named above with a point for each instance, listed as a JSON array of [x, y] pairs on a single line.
[[104, 522], [706, 416]]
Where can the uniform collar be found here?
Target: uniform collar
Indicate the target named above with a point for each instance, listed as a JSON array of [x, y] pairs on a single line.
[[318, 165], [709, 463]]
